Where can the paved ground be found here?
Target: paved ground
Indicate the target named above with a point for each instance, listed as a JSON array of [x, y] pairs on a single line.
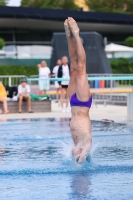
[[110, 112]]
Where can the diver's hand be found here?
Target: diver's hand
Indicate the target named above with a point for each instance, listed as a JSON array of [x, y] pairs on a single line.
[[80, 159], [85, 152]]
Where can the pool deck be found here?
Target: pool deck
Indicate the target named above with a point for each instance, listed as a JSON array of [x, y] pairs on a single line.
[[110, 112]]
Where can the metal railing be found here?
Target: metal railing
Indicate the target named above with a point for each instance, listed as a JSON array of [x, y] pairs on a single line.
[[107, 83], [111, 88], [11, 80], [113, 81], [105, 88], [35, 84]]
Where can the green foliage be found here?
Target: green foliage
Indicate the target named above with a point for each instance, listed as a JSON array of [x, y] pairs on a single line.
[[18, 70], [122, 66], [129, 5], [2, 43], [117, 6], [3, 2], [129, 41], [69, 5], [57, 4]]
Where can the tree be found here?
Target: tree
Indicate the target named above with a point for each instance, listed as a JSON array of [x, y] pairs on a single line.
[[57, 4], [3, 2], [117, 6], [2, 43], [129, 6], [129, 41], [121, 66]]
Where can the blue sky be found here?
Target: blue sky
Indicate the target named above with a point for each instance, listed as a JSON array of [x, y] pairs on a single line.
[[14, 3]]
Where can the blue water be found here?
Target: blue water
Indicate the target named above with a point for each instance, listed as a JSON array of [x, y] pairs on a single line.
[[36, 162]]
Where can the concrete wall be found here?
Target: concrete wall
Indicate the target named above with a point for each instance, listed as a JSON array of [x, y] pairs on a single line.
[[130, 107]]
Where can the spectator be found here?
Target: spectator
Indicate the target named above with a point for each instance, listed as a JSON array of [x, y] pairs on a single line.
[[55, 72], [44, 72], [24, 94], [64, 72], [3, 99]]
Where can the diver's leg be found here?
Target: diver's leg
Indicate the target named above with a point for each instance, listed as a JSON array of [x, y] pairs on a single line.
[[73, 60], [82, 87]]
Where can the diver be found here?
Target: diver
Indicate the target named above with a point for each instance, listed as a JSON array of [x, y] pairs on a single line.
[[79, 93]]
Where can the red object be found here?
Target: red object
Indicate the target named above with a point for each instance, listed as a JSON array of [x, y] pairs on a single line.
[[102, 84], [107, 120]]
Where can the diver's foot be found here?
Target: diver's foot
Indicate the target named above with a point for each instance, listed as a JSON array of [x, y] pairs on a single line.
[[73, 26], [1, 111], [67, 29]]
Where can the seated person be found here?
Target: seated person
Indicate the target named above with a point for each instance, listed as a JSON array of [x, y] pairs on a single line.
[[24, 94], [3, 99]]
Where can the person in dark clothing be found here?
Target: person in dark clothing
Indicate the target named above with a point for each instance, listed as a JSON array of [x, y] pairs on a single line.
[[11, 91], [55, 72], [64, 72]]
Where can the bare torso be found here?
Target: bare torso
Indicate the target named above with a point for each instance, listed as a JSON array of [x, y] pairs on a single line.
[[80, 125]]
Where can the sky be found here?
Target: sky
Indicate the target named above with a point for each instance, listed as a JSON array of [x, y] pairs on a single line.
[[14, 3]]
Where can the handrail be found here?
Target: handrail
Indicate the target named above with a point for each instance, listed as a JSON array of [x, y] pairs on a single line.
[[114, 78], [8, 80], [14, 76]]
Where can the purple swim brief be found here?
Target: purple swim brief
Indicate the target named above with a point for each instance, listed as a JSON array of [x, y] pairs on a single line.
[[75, 102]]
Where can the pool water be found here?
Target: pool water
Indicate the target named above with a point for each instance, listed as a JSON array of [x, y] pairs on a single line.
[[36, 162]]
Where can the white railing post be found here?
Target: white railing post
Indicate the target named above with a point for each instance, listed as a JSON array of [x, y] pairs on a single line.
[[10, 81]]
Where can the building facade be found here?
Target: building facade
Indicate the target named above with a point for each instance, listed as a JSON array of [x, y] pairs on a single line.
[[20, 25], [25, 29]]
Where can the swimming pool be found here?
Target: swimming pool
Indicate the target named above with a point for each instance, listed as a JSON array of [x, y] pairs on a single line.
[[36, 163]]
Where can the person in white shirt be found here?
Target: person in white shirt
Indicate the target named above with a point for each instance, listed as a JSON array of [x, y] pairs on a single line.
[[24, 95], [64, 72], [44, 72], [55, 72]]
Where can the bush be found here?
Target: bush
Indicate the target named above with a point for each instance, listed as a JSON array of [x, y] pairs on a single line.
[[121, 66], [2, 43], [129, 41], [18, 70]]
